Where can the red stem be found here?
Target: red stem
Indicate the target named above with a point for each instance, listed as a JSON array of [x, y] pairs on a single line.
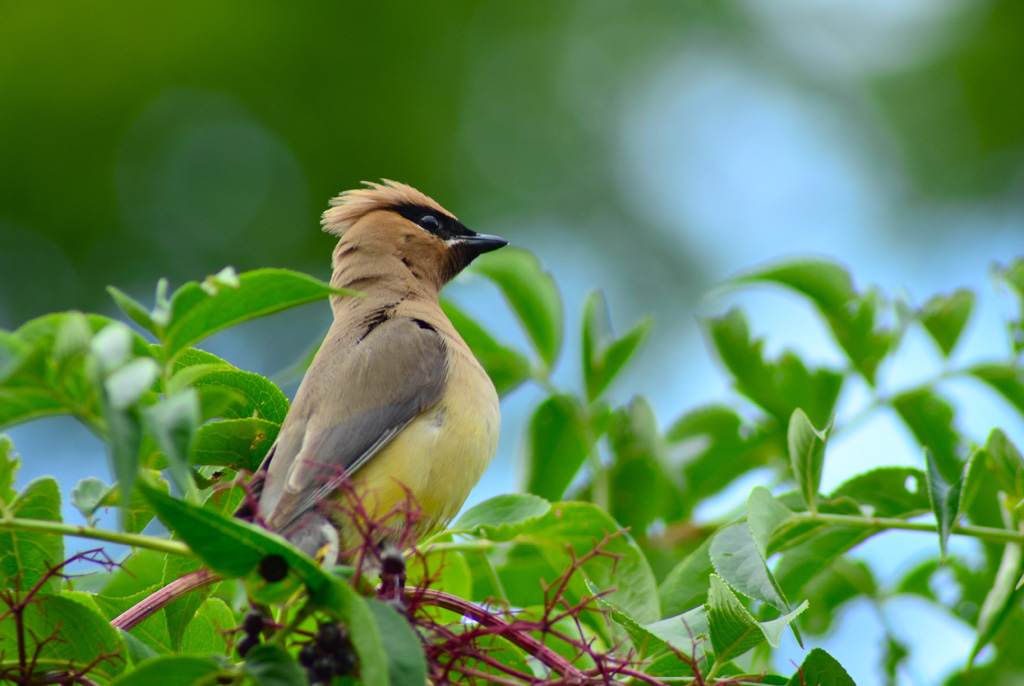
[[519, 638], [133, 616]]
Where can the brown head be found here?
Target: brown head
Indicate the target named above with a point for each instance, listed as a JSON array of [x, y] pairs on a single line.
[[393, 231]]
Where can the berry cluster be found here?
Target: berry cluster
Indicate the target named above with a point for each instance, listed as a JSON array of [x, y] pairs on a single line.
[[330, 654], [252, 625]]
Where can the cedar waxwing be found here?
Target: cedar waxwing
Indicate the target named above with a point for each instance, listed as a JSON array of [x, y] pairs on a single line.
[[394, 399]]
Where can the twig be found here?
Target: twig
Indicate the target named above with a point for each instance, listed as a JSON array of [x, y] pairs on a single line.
[[478, 614], [133, 616]]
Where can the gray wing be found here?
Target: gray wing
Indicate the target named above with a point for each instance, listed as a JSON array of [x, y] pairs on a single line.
[[353, 401]]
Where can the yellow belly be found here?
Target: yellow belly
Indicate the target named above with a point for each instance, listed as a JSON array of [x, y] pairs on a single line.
[[439, 457]]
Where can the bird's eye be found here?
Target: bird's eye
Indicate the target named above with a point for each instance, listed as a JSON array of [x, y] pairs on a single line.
[[430, 222]]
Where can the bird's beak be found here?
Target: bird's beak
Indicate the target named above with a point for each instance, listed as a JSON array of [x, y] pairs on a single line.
[[480, 243]]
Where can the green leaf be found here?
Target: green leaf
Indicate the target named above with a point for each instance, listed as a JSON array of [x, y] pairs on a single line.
[[826, 283], [124, 442], [604, 356], [172, 423], [1008, 463], [68, 630], [198, 312], [152, 632], [686, 632], [224, 390], [820, 669], [558, 446], [716, 447], [26, 403], [739, 563], [233, 548], [112, 346], [504, 652], [852, 317], [88, 495], [235, 443], [498, 517], [138, 571], [1005, 379], [205, 633], [733, 629], [134, 309], [765, 514], [441, 570], [260, 397], [687, 584], [945, 500], [930, 418], [971, 480], [127, 384], [621, 352], [271, 665], [406, 662], [137, 512], [780, 386], [1013, 275], [36, 383], [170, 670], [14, 353], [73, 336], [774, 628], [532, 293], [1003, 597], [642, 486], [888, 492], [43, 330], [944, 318], [137, 650], [180, 613], [507, 368], [543, 542], [29, 555], [9, 465], [807, 455]]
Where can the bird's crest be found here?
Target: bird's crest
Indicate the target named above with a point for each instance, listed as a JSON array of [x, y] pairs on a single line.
[[350, 206]]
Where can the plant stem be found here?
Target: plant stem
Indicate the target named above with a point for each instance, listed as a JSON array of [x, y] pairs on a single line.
[[983, 533], [479, 545], [294, 623], [154, 602], [528, 643], [162, 545]]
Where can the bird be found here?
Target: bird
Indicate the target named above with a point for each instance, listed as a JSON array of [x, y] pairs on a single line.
[[394, 405]]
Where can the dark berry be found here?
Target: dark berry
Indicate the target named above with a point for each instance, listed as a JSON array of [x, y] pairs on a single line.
[[329, 637], [307, 655], [253, 623], [342, 663], [247, 644], [392, 561], [273, 568], [322, 670]]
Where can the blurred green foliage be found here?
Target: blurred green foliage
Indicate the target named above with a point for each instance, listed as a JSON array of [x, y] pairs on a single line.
[[126, 128]]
